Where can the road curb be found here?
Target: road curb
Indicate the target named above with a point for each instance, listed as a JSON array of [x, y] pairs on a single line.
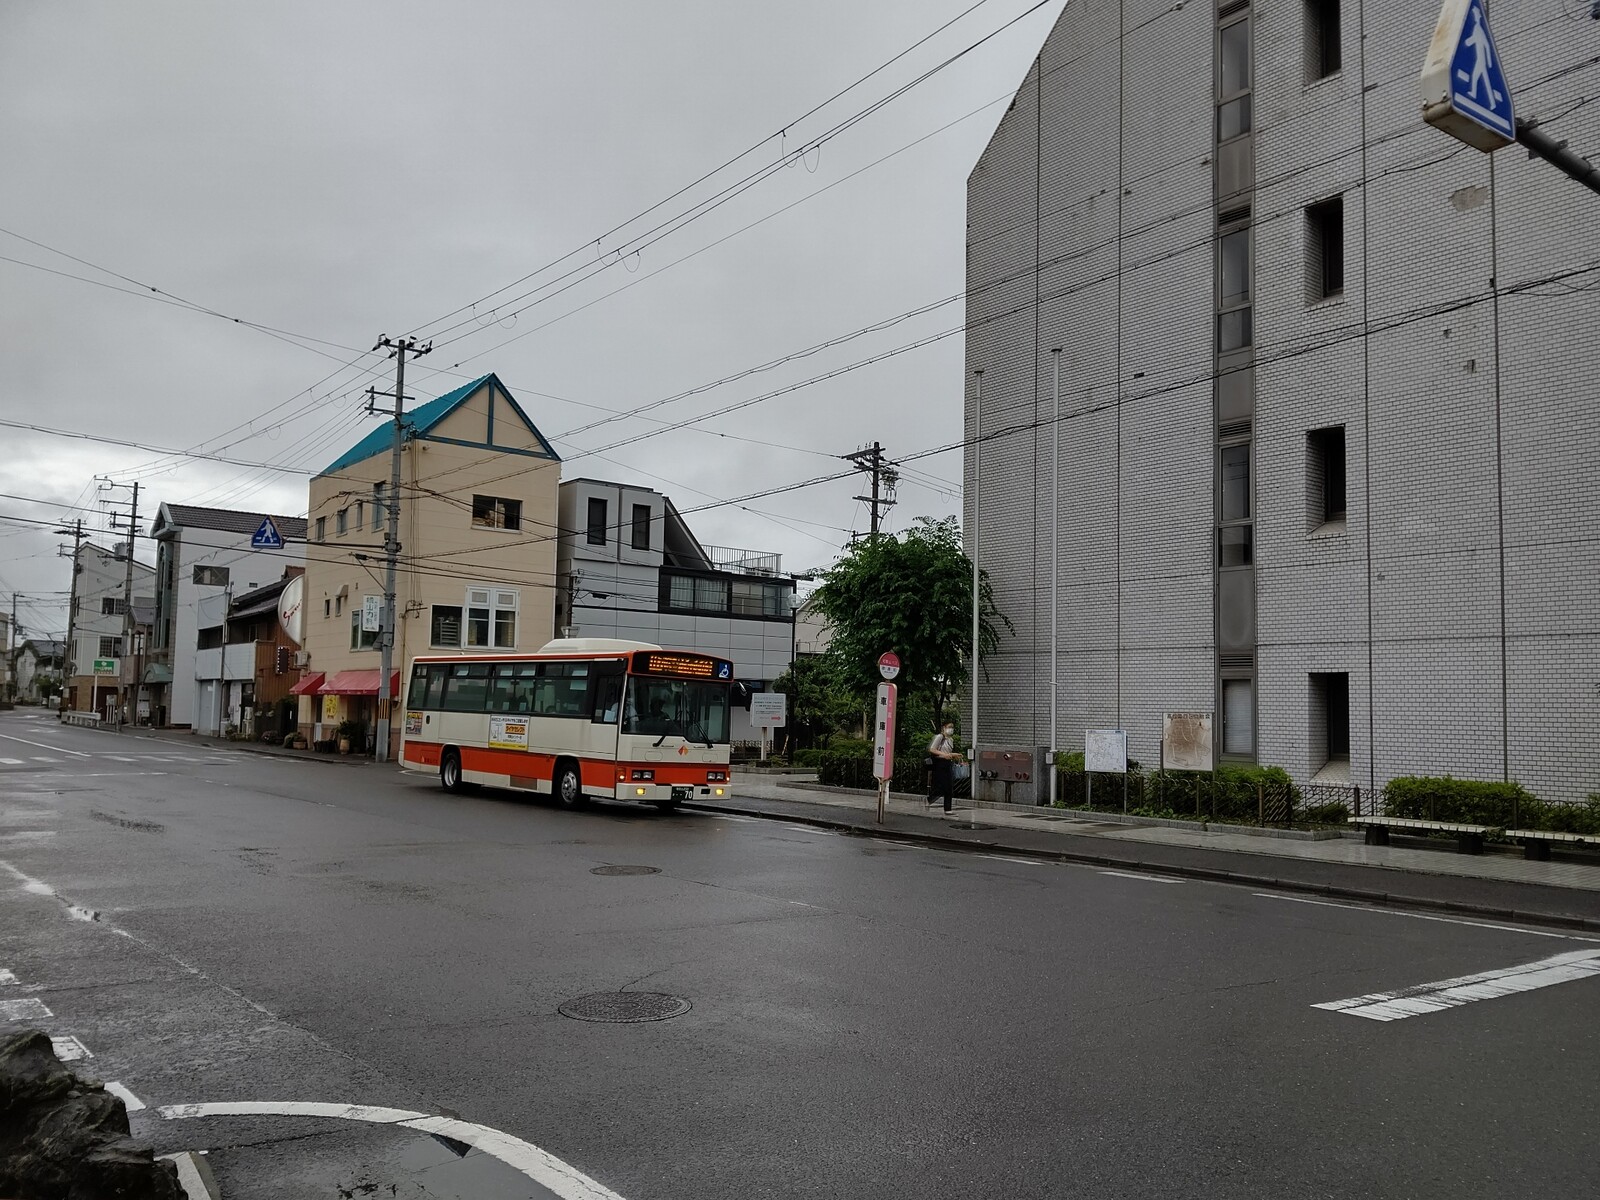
[[1207, 874], [194, 1176]]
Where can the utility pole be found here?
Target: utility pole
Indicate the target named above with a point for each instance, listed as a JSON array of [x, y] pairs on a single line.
[[398, 349], [885, 478], [11, 652], [69, 661], [127, 599]]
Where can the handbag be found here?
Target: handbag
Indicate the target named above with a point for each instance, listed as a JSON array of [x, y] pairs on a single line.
[[960, 772]]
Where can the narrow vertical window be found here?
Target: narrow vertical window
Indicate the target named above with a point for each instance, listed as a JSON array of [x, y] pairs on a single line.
[[1238, 717], [1323, 39], [1325, 248], [1233, 80], [597, 521], [641, 527], [1326, 474]]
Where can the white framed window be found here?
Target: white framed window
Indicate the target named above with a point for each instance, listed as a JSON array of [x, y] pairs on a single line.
[[360, 639], [491, 618]]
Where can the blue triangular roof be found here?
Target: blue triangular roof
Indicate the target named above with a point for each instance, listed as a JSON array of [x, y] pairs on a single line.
[[425, 417]]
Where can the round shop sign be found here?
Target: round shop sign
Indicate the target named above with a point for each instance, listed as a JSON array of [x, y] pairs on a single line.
[[888, 664]]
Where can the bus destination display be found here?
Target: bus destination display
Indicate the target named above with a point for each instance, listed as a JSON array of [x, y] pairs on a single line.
[[691, 666]]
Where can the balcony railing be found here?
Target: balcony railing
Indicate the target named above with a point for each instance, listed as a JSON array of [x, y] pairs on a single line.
[[748, 562]]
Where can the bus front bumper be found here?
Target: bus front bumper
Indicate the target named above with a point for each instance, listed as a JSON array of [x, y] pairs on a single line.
[[649, 793]]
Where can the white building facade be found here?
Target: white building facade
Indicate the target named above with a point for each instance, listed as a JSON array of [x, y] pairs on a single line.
[[1327, 465], [628, 566], [99, 623], [204, 553]]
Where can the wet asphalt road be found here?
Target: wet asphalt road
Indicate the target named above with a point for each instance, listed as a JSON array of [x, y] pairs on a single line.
[[867, 1020]]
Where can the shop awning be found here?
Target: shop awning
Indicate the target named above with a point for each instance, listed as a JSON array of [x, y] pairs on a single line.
[[358, 683], [158, 673], [308, 685]]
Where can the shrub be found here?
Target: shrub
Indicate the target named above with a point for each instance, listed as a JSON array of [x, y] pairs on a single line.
[[1228, 795], [855, 771], [806, 758], [1470, 801]]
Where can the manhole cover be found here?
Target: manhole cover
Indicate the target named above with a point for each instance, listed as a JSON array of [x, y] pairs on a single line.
[[622, 1008], [624, 869]]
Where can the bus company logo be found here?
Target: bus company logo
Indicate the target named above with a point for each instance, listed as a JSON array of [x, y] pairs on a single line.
[[683, 751]]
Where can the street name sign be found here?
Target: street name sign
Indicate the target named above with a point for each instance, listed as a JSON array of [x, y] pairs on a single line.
[[1464, 86], [769, 710], [267, 536]]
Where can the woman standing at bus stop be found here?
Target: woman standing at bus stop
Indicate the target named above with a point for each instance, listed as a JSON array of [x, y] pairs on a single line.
[[943, 756]]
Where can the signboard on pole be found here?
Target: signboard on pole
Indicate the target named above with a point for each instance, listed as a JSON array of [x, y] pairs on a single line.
[[1464, 86], [883, 732], [1186, 742], [769, 710], [266, 536], [1106, 751], [106, 666], [889, 664], [371, 614]]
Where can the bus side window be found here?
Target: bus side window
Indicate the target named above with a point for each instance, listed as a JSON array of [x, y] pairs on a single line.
[[438, 673], [607, 697], [417, 693]]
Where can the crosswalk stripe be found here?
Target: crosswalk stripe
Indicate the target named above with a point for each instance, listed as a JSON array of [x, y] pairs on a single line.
[[10, 762], [1451, 993], [23, 1010], [42, 758], [69, 1049]]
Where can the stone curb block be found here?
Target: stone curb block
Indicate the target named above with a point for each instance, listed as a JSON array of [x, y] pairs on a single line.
[[1207, 874]]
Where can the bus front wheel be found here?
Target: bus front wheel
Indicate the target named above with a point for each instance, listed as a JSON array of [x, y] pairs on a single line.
[[450, 771], [567, 785]]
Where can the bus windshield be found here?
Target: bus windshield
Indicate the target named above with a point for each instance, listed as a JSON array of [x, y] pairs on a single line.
[[695, 710]]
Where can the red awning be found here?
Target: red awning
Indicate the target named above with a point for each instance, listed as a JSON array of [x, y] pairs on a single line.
[[308, 685], [358, 683]]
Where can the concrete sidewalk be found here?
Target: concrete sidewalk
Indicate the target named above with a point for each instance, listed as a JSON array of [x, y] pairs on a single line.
[[1495, 884]]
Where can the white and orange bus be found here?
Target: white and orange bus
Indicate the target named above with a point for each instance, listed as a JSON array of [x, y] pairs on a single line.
[[583, 717]]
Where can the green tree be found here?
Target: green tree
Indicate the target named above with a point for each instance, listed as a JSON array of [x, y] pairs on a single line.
[[910, 593], [820, 703]]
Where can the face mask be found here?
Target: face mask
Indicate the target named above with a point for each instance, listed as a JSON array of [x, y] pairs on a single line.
[[949, 730]]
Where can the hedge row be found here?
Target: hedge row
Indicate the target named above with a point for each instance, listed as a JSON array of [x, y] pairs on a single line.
[[1498, 805], [846, 768], [1233, 793]]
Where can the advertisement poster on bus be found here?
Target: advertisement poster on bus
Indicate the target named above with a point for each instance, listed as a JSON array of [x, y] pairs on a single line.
[[508, 733], [413, 723]]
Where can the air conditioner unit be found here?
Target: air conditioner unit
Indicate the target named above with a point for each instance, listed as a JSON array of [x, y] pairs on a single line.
[[302, 658]]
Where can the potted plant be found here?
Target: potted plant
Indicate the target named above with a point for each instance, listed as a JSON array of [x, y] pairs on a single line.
[[352, 734]]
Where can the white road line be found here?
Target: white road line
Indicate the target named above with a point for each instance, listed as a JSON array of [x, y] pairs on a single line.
[[134, 1104], [1452, 993], [124, 758], [69, 1049], [42, 758], [190, 1182], [1416, 916], [10, 762], [538, 1165], [23, 1010], [42, 746], [1027, 862], [1146, 878]]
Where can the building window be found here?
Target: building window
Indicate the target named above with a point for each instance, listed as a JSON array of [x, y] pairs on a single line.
[[327, 608], [360, 514], [338, 606], [379, 505], [1238, 718], [641, 527], [496, 512], [444, 629], [491, 619], [112, 606], [110, 647], [680, 592], [360, 639], [1325, 248], [1330, 717], [597, 521], [322, 529], [1325, 475], [1236, 483], [1233, 80], [1323, 36], [1235, 545], [1234, 330], [341, 521]]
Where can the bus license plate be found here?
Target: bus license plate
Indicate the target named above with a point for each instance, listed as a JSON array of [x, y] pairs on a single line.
[[682, 793]]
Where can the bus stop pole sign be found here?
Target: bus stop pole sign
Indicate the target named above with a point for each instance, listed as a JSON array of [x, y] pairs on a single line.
[[883, 743]]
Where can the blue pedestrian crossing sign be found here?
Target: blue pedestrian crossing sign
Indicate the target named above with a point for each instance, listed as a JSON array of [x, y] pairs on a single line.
[[1464, 86], [267, 536]]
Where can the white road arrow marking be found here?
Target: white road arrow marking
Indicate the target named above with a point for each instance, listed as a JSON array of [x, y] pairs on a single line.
[[1452, 993]]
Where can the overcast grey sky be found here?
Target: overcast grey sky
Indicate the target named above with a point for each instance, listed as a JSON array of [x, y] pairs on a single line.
[[340, 171]]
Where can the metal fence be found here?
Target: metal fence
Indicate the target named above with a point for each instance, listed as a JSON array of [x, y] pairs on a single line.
[[1203, 797]]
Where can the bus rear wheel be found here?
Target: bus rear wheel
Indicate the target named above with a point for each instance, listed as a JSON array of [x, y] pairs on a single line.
[[567, 785], [450, 771]]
